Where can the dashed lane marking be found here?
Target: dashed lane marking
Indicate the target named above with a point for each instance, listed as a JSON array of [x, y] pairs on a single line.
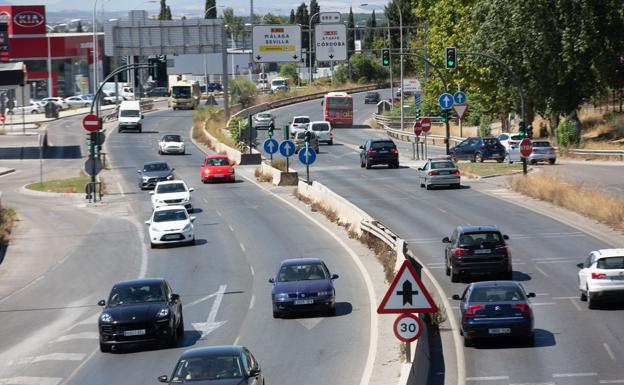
[[541, 271], [609, 352], [567, 375], [49, 357], [78, 336], [251, 303], [576, 305], [31, 381], [543, 303], [242, 247], [490, 378], [252, 270], [231, 228], [612, 381]]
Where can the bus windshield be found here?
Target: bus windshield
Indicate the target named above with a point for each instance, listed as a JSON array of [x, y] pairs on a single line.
[[181, 92]]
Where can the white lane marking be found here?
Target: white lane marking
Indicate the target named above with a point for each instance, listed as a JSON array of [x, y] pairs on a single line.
[[543, 303], [231, 228], [121, 190], [219, 213], [78, 336], [205, 200], [83, 363], [565, 297], [609, 352], [31, 381], [566, 375], [200, 300], [51, 357], [251, 303], [211, 324], [540, 294], [541, 271], [252, 270], [437, 267], [310, 323], [33, 282], [612, 381], [576, 305], [490, 378], [236, 340], [535, 383], [88, 321], [242, 246]]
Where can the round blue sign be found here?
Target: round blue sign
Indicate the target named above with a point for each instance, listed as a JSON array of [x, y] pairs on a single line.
[[459, 97], [287, 148], [307, 155], [445, 101], [271, 146]]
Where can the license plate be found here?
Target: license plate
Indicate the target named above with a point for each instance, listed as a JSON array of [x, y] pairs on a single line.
[[444, 172], [499, 331], [173, 236], [130, 333], [383, 152], [304, 302], [483, 251], [617, 277]]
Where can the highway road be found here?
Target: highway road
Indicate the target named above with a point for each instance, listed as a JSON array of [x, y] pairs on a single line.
[[49, 333], [573, 344]]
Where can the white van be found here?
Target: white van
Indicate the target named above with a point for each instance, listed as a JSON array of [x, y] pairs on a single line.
[[279, 84], [130, 116], [323, 130]]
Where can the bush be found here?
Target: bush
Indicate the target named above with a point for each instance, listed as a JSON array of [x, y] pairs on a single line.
[[289, 70], [235, 131], [247, 88], [566, 133], [484, 127]]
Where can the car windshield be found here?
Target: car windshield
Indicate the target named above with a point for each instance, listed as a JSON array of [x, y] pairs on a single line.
[[170, 215], [156, 167], [339, 102], [541, 144], [301, 135], [476, 239], [217, 162], [516, 137], [497, 294], [172, 138], [181, 92], [372, 94], [308, 272], [380, 145], [214, 367], [301, 120], [611, 263], [264, 116], [170, 188], [439, 165], [320, 127], [130, 113], [132, 294], [277, 83]]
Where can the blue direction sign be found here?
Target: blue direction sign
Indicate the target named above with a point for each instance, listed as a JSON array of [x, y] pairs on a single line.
[[307, 155], [459, 97], [445, 101], [287, 148], [271, 146]]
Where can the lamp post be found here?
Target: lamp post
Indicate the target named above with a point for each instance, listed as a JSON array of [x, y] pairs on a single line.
[[206, 55], [310, 47], [95, 71]]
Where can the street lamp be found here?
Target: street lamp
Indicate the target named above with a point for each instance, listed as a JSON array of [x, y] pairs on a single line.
[[310, 48], [206, 55], [49, 61]]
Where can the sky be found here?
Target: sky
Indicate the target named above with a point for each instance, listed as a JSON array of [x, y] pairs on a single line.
[[194, 7]]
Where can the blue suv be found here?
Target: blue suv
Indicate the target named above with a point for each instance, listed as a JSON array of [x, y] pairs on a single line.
[[476, 149]]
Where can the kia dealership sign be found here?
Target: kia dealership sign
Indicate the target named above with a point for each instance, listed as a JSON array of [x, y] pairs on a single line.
[[29, 19], [24, 19]]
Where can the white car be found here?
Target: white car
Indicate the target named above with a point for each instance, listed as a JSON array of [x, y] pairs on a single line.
[[60, 102], [298, 123], [509, 140], [78, 101], [172, 192], [323, 130], [30, 108], [171, 144], [170, 224], [602, 276]]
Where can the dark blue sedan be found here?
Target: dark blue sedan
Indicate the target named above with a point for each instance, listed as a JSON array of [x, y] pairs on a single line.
[[303, 284], [476, 149], [495, 309]]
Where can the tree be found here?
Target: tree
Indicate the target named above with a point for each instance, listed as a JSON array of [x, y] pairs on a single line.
[[235, 24], [409, 19], [212, 14], [169, 17], [350, 37], [163, 10], [247, 91], [79, 26], [289, 70], [303, 17], [366, 69], [314, 9], [371, 32], [270, 18], [292, 19]]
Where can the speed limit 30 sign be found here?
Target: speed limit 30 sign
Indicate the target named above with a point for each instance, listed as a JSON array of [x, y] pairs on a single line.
[[407, 327]]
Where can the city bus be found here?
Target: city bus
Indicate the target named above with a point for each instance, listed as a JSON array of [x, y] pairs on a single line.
[[185, 94], [338, 109]]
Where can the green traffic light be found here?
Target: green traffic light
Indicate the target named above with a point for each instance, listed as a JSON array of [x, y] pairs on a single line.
[[451, 63]]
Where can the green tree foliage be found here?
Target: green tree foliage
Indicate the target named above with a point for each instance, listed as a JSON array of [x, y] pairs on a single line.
[[163, 10], [293, 18], [270, 18], [235, 24], [484, 127], [303, 17], [567, 133], [247, 89], [212, 13], [289, 70], [350, 37], [370, 32], [314, 9], [367, 69]]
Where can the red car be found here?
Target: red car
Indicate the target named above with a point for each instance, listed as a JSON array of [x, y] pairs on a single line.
[[217, 168]]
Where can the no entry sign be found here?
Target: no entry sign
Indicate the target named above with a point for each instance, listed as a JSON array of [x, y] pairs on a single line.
[[91, 123], [425, 123]]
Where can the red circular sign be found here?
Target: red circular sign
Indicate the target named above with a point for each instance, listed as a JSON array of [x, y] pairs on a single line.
[[426, 124], [91, 123], [407, 327], [417, 128], [2, 118], [526, 147]]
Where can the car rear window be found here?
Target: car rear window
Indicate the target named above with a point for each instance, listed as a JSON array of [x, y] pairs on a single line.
[[371, 94], [439, 165], [491, 141], [516, 137], [320, 127], [378, 145], [170, 188], [217, 162], [541, 144], [496, 294], [475, 239], [302, 120], [611, 263], [264, 116]]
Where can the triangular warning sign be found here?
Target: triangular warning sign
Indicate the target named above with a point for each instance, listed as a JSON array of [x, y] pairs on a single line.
[[460, 109], [407, 294]]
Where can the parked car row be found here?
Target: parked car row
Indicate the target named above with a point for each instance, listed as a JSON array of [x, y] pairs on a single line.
[[505, 147]]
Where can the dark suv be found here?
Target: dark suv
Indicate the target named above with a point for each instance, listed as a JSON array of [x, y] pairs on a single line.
[[371, 97], [477, 250], [379, 151], [478, 149]]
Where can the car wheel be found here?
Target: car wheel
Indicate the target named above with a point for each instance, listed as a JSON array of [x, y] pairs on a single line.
[[180, 331], [33, 112], [160, 152], [457, 186], [362, 164], [390, 165], [106, 348], [152, 245], [467, 341], [447, 270], [552, 161], [478, 157], [529, 340], [193, 242], [508, 276], [277, 314], [583, 295], [172, 341], [592, 301], [454, 275], [331, 311], [533, 162], [331, 142], [500, 160], [427, 186], [368, 165]]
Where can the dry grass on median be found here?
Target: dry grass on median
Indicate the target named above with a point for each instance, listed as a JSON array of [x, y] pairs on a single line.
[[592, 203], [263, 176], [8, 216], [485, 169]]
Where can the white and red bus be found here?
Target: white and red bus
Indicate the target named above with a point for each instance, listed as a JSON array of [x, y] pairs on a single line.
[[338, 109]]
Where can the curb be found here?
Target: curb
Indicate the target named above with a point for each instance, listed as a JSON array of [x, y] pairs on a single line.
[[7, 171]]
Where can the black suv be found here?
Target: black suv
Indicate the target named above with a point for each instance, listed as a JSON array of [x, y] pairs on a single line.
[[379, 151], [371, 97], [477, 250]]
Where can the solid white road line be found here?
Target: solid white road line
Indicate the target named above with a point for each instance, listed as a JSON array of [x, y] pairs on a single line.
[[609, 352], [490, 378], [31, 381], [78, 336], [252, 270], [612, 381], [251, 303], [576, 304], [242, 247], [541, 271], [566, 375], [236, 340]]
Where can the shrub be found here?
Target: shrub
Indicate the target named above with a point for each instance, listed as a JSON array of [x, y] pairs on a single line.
[[484, 127], [567, 133], [247, 89]]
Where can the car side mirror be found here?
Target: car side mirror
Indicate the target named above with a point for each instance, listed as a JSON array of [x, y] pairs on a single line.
[[254, 372], [446, 240], [232, 163], [151, 192], [142, 116], [101, 302], [174, 297], [192, 219], [271, 280], [191, 189], [361, 147], [162, 379], [580, 265], [456, 297], [334, 276], [139, 171], [148, 222], [173, 169], [531, 295], [420, 169], [506, 237]]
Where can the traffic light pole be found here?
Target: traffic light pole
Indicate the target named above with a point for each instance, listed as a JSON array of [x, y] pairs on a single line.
[[520, 93]]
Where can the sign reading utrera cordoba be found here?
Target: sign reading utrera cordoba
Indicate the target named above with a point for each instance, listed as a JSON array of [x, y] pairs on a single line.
[[331, 42], [276, 43]]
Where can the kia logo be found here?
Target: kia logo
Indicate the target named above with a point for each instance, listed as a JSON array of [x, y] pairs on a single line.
[[28, 19]]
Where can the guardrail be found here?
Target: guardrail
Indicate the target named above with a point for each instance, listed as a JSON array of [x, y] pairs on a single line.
[[580, 151], [380, 231], [146, 104]]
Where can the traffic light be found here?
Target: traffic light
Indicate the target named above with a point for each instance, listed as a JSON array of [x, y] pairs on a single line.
[[385, 57], [443, 116], [450, 58], [522, 129], [529, 131], [307, 137], [418, 114], [270, 131]]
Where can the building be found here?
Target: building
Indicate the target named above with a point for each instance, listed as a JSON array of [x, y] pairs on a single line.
[[58, 64]]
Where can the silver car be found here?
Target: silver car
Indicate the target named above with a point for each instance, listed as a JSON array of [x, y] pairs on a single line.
[[263, 120], [439, 172], [543, 151]]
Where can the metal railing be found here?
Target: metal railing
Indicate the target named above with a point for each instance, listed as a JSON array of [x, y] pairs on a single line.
[[380, 231]]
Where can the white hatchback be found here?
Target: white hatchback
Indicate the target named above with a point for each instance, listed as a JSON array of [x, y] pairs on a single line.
[[323, 130], [171, 144], [170, 224], [601, 276], [172, 193]]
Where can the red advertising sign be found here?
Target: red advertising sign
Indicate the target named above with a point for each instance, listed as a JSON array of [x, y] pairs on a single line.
[[25, 19]]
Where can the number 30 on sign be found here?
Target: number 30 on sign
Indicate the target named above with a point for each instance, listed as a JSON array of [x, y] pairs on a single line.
[[407, 327]]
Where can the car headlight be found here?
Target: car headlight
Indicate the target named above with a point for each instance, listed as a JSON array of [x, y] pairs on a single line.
[[231, 170], [187, 227], [207, 171], [158, 201], [106, 318], [145, 178], [324, 293], [186, 199], [170, 176], [281, 296], [162, 313]]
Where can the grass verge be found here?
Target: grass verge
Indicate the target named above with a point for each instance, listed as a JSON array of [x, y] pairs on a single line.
[[8, 216], [488, 169], [71, 185], [592, 203], [279, 164]]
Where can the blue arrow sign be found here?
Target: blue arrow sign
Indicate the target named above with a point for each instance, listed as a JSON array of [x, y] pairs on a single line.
[[459, 97], [271, 146], [307, 155], [287, 148], [445, 101]]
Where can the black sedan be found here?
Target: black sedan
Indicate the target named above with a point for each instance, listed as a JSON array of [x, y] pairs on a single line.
[[495, 309], [140, 311], [379, 151], [303, 284], [478, 149], [154, 172], [222, 365], [371, 97]]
